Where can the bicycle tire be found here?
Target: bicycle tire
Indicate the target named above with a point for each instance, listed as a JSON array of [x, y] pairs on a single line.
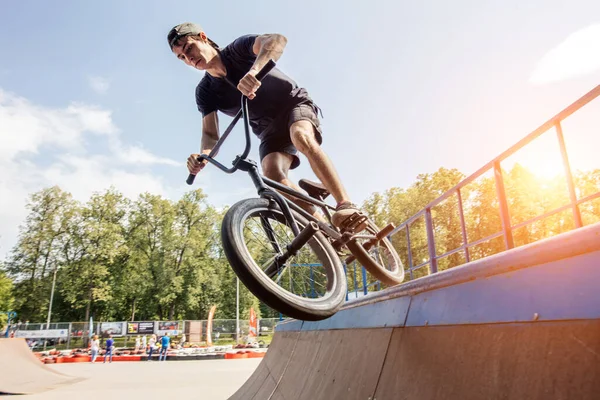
[[387, 277], [260, 284]]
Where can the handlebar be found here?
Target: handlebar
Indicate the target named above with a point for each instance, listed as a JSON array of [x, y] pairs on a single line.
[[260, 76], [265, 70]]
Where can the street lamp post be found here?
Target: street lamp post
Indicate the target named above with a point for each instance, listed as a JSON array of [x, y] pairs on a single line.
[[51, 300], [237, 311]]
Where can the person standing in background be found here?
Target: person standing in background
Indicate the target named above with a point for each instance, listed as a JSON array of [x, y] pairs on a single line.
[[95, 347], [152, 345], [109, 349], [165, 344]]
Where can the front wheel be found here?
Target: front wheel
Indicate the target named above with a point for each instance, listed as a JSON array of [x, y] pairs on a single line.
[[310, 286]]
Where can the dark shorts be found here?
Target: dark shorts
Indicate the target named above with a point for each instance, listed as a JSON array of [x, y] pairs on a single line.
[[280, 140]]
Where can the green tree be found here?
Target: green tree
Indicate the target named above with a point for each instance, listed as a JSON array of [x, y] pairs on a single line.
[[6, 297], [482, 217], [96, 241], [149, 239], [188, 232], [587, 183], [397, 205], [37, 251], [199, 258]]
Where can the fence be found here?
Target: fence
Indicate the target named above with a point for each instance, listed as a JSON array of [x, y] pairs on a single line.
[[507, 227], [359, 283], [67, 335]]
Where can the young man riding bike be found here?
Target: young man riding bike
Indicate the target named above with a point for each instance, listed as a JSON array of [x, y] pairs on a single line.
[[282, 114]]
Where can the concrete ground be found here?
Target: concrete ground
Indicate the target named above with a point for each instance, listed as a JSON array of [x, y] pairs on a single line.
[[205, 379]]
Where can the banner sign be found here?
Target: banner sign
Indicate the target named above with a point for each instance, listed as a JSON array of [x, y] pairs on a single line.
[[140, 328], [168, 326], [145, 327], [171, 327], [253, 329], [111, 328], [42, 333], [209, 324], [132, 328]]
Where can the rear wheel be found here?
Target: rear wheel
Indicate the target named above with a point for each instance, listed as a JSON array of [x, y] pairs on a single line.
[[381, 260], [310, 286]]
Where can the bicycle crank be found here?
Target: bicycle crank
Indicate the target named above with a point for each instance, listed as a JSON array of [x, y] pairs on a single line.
[[378, 238]]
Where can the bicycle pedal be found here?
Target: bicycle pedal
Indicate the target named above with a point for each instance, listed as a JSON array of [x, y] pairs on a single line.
[[353, 222]]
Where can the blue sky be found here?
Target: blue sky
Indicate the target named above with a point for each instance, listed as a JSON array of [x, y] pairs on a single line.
[[90, 95]]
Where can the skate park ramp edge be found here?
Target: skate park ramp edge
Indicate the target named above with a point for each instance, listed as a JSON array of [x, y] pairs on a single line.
[[21, 372], [523, 324]]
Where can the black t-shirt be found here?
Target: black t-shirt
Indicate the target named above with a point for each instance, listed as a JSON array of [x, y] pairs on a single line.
[[277, 95]]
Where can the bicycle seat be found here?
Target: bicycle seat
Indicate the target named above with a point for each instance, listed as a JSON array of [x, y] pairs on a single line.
[[314, 189]]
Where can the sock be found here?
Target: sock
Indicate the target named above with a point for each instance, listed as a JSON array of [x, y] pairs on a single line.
[[342, 203]]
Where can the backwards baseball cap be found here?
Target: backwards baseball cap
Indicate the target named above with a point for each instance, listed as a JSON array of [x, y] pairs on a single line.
[[185, 29]]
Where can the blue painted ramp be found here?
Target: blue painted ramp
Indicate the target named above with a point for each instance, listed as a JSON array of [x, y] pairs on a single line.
[[523, 324]]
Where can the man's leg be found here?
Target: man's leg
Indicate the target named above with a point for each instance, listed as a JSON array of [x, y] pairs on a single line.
[[303, 137], [276, 166]]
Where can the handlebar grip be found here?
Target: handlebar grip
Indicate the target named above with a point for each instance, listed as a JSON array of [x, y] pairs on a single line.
[[190, 179], [265, 70]]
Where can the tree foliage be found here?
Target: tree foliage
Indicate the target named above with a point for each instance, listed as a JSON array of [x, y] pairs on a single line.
[[117, 259], [6, 298]]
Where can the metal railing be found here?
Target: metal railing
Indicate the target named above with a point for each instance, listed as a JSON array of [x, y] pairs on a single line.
[[495, 165], [360, 286]]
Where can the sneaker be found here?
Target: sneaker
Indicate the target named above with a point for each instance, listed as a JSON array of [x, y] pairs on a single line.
[[347, 216]]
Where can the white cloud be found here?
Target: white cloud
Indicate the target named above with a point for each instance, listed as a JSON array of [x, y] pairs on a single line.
[[26, 127], [98, 84], [83, 175], [578, 54], [93, 119], [136, 155], [43, 146]]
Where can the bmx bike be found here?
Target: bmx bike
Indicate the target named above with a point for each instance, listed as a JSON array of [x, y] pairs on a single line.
[[285, 256]]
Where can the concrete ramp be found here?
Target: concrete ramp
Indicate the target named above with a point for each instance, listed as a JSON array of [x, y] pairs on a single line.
[[524, 324], [22, 373]]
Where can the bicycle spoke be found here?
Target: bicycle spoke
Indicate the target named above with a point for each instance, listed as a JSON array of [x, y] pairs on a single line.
[[268, 237], [268, 263], [270, 234]]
